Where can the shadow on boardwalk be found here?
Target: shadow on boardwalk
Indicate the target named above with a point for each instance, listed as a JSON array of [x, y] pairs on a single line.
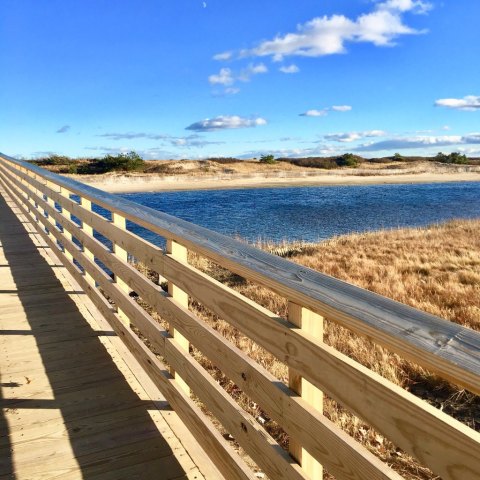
[[67, 410]]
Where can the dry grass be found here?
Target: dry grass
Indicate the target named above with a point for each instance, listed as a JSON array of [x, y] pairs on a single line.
[[435, 269]]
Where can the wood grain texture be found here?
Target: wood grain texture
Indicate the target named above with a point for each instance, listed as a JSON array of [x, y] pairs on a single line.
[[220, 452], [418, 428], [70, 407], [260, 446], [449, 448], [312, 324], [342, 454], [445, 348]]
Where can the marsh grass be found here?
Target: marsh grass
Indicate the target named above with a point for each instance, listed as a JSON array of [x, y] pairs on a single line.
[[435, 269]]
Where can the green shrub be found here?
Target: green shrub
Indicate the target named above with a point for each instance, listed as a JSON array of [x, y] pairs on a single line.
[[348, 160], [268, 159], [55, 160], [454, 157], [123, 162]]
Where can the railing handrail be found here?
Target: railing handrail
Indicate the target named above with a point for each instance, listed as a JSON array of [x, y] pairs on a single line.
[[68, 226], [449, 349]]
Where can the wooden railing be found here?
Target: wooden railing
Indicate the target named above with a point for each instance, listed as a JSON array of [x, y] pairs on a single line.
[[62, 208]]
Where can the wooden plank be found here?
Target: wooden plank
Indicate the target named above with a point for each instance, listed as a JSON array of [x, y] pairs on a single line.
[[445, 348], [301, 352], [178, 252], [312, 324], [220, 452], [252, 437], [409, 422], [148, 291]]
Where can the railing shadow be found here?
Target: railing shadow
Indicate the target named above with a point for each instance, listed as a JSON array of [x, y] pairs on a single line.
[[60, 386]]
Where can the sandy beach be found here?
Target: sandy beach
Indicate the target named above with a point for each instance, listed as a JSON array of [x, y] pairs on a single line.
[[118, 183]]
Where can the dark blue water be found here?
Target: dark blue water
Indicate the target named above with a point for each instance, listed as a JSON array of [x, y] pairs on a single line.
[[314, 213]]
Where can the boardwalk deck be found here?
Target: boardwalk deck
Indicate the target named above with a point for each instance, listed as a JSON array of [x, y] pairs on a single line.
[[72, 403]]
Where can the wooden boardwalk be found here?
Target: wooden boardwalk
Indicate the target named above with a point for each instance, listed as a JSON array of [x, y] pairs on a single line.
[[72, 407]]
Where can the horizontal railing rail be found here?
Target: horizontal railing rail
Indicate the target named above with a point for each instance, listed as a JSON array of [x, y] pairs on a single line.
[[62, 207]]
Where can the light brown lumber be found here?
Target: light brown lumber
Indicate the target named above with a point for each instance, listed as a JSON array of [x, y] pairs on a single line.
[[64, 193], [220, 452], [155, 296], [420, 429], [447, 349], [122, 254], [298, 351], [178, 252], [312, 324], [253, 438]]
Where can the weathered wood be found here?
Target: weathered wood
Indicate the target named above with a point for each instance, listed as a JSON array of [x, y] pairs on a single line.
[[87, 205], [73, 409], [66, 193], [312, 324], [443, 347], [220, 452], [346, 457], [339, 376], [178, 252], [449, 448]]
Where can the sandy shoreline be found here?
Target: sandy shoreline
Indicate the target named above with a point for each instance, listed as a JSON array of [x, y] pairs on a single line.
[[155, 183]]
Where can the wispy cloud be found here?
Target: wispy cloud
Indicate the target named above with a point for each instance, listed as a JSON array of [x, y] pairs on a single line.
[[224, 77], [289, 69], [324, 111], [468, 103], [223, 56], [314, 113], [421, 142], [64, 129], [329, 35], [224, 122], [347, 137], [341, 108], [227, 77], [188, 141]]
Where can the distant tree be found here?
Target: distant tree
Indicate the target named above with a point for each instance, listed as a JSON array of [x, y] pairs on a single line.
[[348, 160], [268, 159], [397, 156], [454, 157], [125, 162]]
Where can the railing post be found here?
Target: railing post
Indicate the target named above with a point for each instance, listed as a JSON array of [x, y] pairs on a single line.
[[178, 252], [311, 323], [66, 193], [122, 254], [87, 205]]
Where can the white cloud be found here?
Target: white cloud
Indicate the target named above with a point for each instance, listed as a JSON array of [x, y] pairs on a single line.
[[468, 103], [223, 56], [289, 69], [314, 113], [251, 70], [446, 127], [347, 137], [414, 6], [224, 77], [231, 91], [421, 142], [341, 108], [189, 141], [328, 35], [324, 111], [224, 122]]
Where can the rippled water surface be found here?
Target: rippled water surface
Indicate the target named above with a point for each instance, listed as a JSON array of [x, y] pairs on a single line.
[[314, 213]]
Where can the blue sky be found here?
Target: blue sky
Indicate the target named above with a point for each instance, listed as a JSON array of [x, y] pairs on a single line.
[[192, 79]]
